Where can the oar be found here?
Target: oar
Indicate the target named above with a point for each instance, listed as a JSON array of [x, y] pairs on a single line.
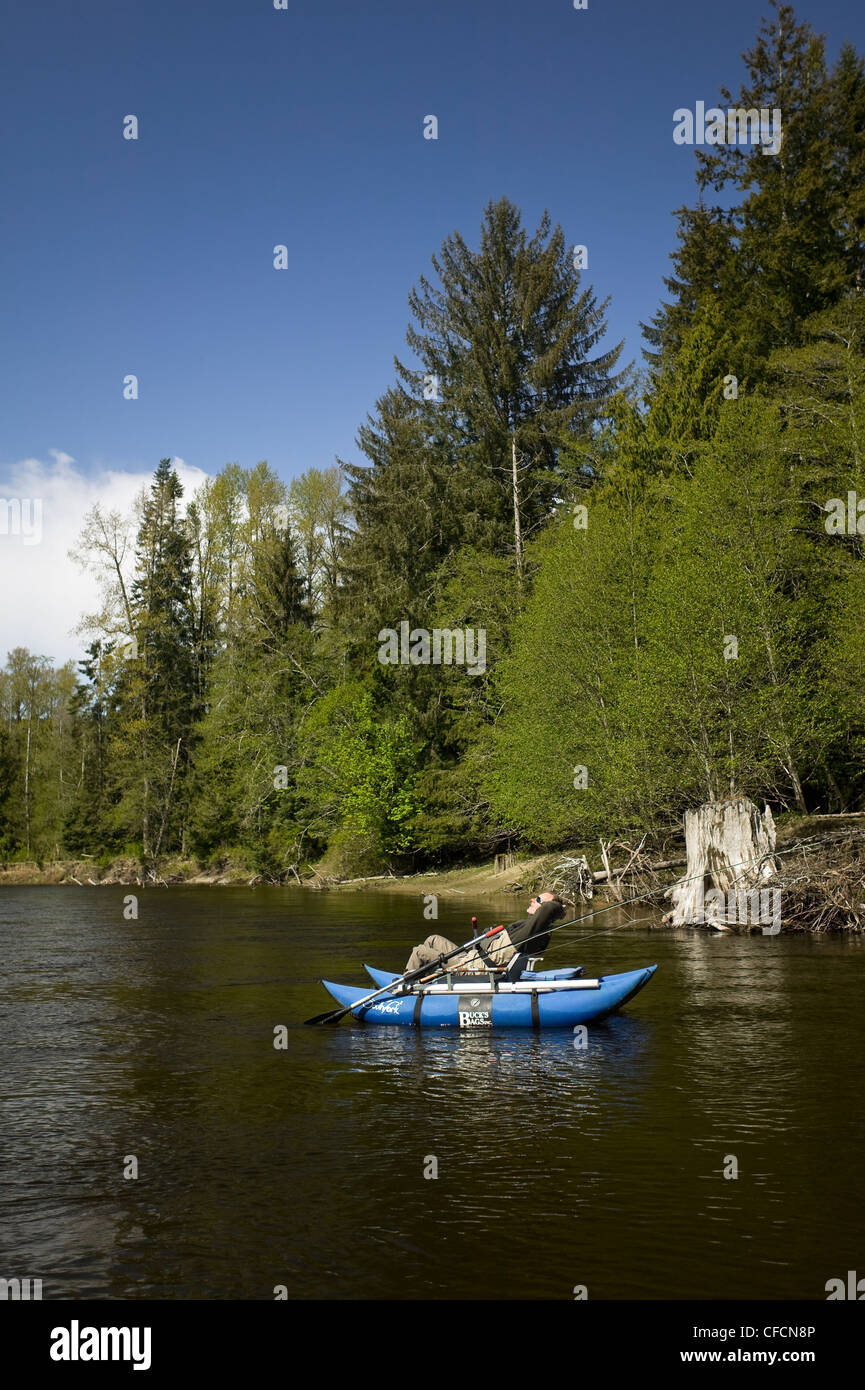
[[333, 1015]]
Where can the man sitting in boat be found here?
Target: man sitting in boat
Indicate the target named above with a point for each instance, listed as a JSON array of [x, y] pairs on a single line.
[[528, 936]]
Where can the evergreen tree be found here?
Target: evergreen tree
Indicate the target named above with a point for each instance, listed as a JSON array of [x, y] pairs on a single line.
[[247, 765], [408, 517], [88, 815], [793, 246], [277, 592], [507, 336], [157, 685], [847, 120], [705, 236]]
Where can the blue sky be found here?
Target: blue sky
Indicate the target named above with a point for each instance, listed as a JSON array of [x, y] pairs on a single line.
[[304, 127]]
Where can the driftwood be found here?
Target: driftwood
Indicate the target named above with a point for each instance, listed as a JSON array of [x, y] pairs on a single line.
[[578, 880], [730, 847], [601, 875], [573, 878], [612, 880], [823, 885], [319, 881]]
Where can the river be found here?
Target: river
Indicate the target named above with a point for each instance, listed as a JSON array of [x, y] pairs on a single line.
[[152, 1040]]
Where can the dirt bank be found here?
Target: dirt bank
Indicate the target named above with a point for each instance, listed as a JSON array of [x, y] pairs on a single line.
[[479, 880], [474, 881]]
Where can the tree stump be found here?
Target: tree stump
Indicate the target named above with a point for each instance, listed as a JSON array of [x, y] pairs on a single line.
[[730, 847]]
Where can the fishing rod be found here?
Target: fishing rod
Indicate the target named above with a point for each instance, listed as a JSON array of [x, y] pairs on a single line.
[[644, 897]]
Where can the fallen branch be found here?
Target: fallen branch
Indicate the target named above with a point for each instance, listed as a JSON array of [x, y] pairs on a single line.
[[600, 875], [829, 895], [614, 886]]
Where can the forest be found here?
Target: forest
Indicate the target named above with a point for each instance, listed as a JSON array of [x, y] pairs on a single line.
[[666, 563]]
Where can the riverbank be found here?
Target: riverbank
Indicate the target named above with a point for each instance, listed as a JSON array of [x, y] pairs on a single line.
[[821, 874], [479, 880]]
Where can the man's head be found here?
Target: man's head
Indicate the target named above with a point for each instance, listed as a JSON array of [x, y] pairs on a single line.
[[536, 902]]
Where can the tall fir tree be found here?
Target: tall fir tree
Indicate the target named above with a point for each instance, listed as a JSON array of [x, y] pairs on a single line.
[[792, 246], [507, 337], [157, 686]]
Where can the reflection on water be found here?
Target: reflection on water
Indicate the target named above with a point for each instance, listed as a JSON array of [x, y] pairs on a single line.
[[305, 1166]]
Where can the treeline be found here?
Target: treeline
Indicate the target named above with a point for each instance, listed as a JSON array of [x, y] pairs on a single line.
[[671, 602]]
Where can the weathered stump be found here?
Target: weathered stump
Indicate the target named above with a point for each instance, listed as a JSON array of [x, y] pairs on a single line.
[[730, 847]]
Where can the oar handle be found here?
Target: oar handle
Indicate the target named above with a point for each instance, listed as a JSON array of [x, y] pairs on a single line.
[[409, 975], [422, 970]]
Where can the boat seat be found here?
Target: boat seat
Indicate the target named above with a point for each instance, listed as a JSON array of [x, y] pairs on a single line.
[[476, 977], [568, 972], [515, 968]]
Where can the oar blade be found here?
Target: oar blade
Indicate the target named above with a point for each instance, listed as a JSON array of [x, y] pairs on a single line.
[[329, 1016]]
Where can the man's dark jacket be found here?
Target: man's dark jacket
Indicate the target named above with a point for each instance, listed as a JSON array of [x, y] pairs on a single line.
[[528, 935]]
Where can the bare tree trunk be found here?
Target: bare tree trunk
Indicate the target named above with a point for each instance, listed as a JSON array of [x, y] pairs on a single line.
[[167, 800], [730, 848], [518, 538], [27, 782], [145, 820]]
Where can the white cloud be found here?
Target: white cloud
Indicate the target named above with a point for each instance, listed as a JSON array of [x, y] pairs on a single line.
[[43, 593]]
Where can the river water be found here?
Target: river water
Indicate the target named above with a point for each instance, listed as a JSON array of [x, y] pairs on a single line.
[[151, 1042]]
